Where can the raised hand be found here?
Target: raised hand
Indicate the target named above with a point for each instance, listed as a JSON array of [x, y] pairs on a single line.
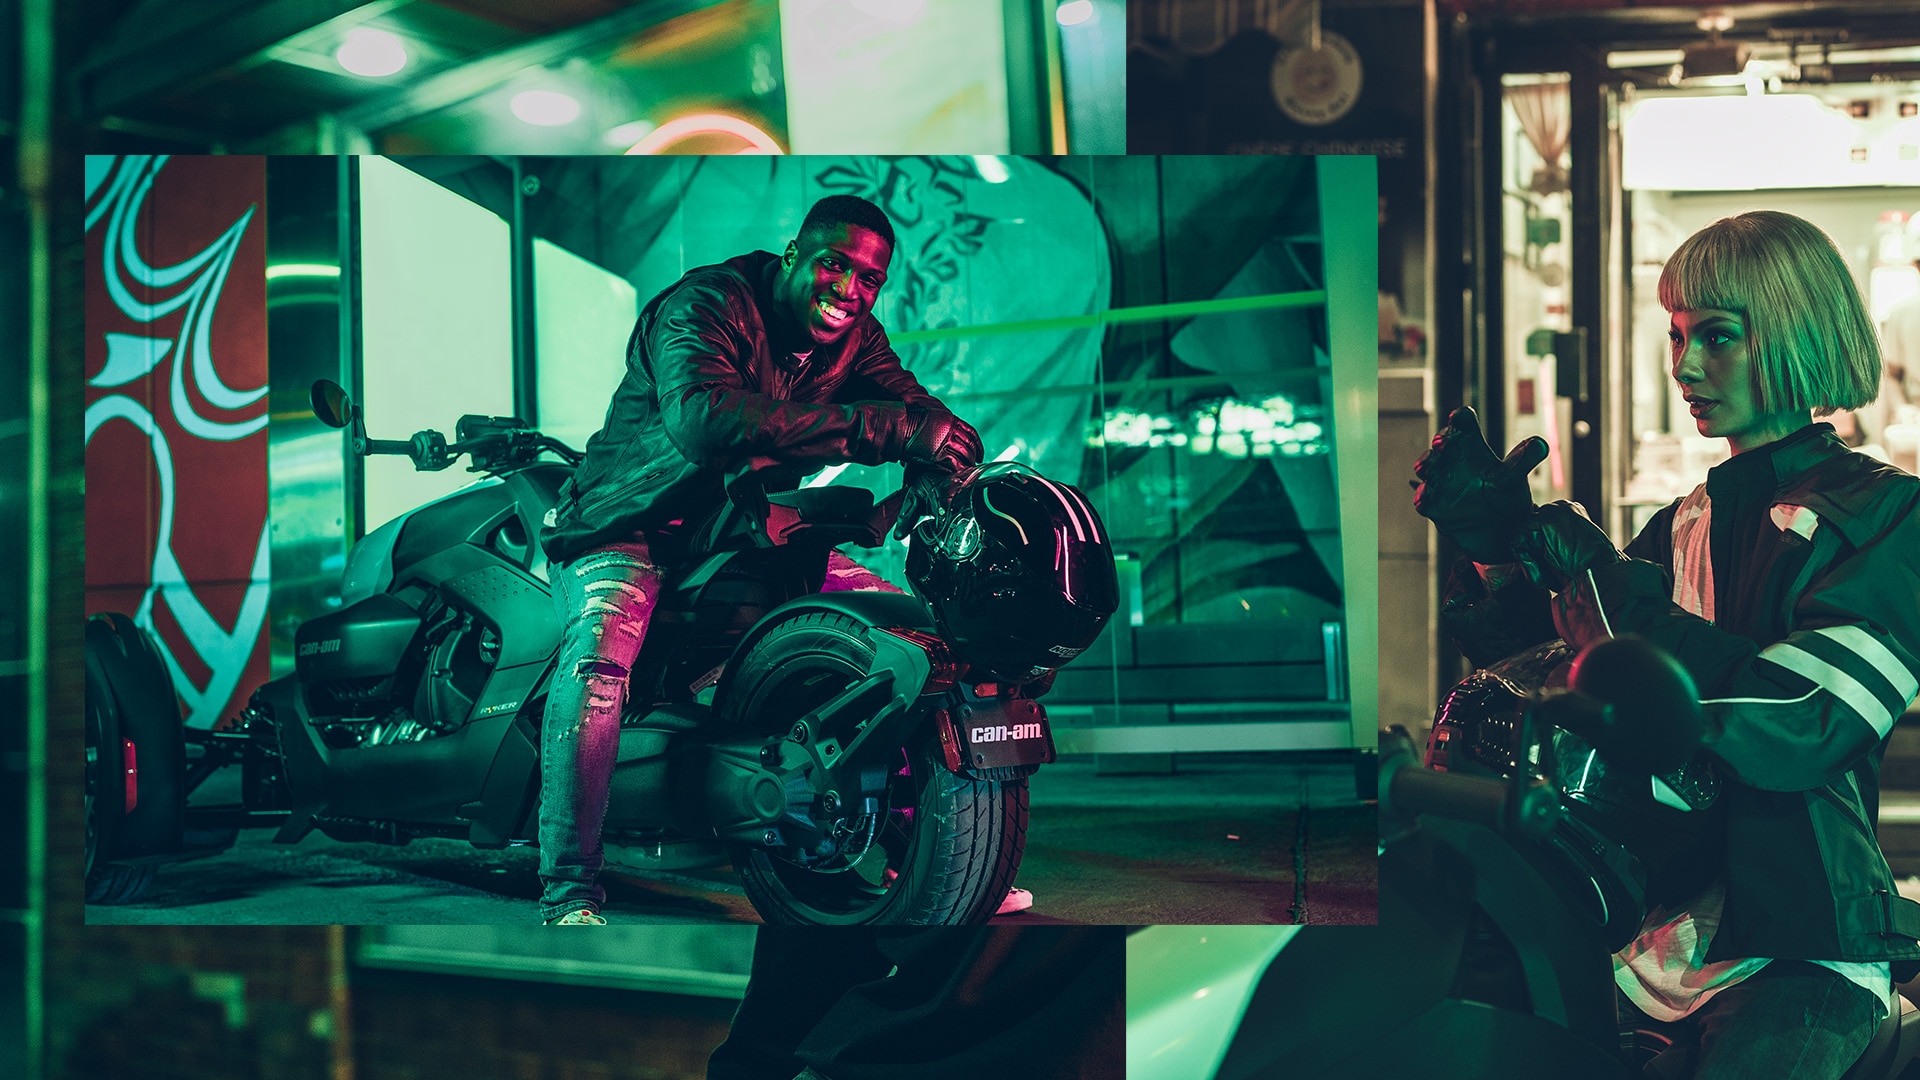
[[1476, 499], [1559, 543]]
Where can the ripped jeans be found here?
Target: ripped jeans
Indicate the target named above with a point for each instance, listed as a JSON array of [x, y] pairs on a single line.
[[605, 599]]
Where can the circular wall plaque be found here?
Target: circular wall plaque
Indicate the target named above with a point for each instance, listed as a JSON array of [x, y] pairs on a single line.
[[1317, 87]]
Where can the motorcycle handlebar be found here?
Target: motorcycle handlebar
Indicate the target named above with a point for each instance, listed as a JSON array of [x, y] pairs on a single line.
[[431, 452], [388, 446], [1408, 790]]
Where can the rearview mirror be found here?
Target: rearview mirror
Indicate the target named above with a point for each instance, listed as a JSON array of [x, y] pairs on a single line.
[[330, 403]]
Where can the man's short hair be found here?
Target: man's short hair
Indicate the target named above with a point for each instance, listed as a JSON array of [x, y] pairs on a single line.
[[847, 210], [1810, 337]]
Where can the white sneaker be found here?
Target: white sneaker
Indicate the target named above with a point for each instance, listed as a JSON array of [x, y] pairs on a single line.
[[1017, 900], [584, 917]]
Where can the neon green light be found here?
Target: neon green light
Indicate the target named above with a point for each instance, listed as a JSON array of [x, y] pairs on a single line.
[[316, 270], [1143, 313]]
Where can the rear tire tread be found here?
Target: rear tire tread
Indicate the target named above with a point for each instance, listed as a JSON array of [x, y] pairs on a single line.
[[977, 854], [116, 884]]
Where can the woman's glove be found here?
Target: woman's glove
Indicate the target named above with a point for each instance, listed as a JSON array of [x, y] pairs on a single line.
[[1475, 499], [1559, 543]]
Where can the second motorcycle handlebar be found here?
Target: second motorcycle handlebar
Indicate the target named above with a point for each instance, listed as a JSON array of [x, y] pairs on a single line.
[[1628, 698], [1407, 790]]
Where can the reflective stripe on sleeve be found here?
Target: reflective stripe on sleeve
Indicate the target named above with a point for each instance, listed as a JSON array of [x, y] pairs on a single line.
[[1834, 681], [1864, 645]]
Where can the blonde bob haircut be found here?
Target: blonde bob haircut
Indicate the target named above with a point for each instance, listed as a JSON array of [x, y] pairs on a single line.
[[1810, 338]]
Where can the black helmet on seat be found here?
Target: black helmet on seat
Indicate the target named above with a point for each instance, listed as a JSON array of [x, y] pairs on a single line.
[[1018, 570]]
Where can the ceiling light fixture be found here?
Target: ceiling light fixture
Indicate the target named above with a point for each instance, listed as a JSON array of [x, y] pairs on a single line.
[[545, 108], [992, 169], [1713, 57], [370, 53], [1074, 12], [302, 270], [629, 133]]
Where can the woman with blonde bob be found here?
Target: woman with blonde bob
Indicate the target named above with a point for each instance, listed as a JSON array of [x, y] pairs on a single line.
[[1788, 586], [1788, 333]]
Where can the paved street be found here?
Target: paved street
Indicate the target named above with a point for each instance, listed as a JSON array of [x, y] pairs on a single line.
[[1214, 844]]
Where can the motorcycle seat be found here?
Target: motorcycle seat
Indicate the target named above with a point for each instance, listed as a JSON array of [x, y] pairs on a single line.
[[827, 505], [829, 515], [1893, 1043]]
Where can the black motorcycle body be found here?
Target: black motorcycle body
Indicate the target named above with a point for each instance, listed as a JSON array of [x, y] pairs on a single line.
[[1509, 876], [1489, 959], [794, 732]]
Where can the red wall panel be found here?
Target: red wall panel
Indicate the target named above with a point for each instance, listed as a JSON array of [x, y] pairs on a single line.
[[176, 415]]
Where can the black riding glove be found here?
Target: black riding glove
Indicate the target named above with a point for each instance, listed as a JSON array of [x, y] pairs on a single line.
[[940, 439], [1559, 543], [1475, 499], [925, 494]]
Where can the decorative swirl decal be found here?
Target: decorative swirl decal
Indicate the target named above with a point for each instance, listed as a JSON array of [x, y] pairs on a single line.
[[185, 295], [205, 274], [224, 651]]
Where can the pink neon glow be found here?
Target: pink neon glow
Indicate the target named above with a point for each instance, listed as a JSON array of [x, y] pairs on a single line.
[[758, 141], [1093, 522], [1072, 514]]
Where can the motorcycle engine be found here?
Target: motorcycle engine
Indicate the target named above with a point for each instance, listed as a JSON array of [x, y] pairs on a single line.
[[461, 654]]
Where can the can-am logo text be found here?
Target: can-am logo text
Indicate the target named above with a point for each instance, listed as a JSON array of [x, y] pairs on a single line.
[[1003, 732], [327, 646]]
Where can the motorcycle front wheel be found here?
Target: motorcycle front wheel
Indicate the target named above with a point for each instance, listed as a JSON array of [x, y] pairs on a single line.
[[944, 848], [131, 708]]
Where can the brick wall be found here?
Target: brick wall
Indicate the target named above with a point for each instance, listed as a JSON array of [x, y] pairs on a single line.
[[258, 1003], [417, 1027], [204, 1002]]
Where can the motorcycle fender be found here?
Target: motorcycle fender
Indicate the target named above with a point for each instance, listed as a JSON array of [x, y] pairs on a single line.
[[303, 758], [509, 798], [874, 609]]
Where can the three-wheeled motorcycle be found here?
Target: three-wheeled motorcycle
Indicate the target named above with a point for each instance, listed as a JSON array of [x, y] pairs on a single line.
[[859, 757]]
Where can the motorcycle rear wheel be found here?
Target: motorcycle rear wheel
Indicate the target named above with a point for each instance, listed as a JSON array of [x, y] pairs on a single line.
[[946, 848]]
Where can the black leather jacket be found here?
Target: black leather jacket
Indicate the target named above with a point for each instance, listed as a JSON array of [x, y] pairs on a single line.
[[1812, 652], [705, 392]]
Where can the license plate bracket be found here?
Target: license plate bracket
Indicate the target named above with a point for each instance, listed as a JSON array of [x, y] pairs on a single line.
[[995, 733]]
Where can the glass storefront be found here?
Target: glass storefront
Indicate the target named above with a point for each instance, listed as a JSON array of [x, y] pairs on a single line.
[[1153, 330], [1693, 157]]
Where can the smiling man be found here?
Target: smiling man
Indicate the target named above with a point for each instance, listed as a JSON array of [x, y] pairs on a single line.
[[771, 360]]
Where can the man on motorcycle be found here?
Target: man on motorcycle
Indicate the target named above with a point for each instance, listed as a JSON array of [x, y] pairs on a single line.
[[774, 361]]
